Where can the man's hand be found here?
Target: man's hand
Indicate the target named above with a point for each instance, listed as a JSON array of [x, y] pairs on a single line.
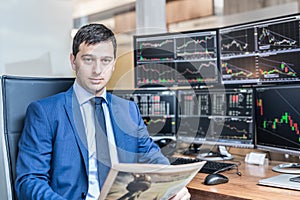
[[183, 194]]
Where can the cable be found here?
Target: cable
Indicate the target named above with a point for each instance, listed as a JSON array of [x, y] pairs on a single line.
[[228, 168]]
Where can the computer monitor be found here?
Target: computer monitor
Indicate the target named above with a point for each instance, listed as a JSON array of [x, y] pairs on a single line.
[[277, 120], [238, 54], [265, 51], [221, 116], [176, 59], [158, 110]]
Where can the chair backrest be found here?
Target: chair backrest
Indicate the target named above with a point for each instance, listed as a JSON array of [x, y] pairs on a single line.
[[17, 94]]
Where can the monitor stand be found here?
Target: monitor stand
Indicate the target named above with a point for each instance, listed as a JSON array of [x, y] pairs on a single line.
[[223, 154], [289, 168], [193, 150]]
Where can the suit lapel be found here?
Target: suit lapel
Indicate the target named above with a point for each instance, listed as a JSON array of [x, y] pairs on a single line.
[[73, 111]]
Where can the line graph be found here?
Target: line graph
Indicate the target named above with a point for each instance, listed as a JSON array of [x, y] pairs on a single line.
[[272, 38], [280, 36], [193, 48], [155, 50], [154, 121], [159, 125], [155, 44], [155, 73], [197, 72], [237, 42], [231, 128]]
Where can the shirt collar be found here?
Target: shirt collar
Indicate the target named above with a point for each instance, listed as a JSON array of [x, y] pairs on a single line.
[[83, 95]]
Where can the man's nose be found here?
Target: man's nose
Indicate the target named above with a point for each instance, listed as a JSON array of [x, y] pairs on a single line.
[[98, 68]]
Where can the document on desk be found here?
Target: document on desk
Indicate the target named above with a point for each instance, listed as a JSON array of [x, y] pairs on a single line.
[[282, 181], [147, 181]]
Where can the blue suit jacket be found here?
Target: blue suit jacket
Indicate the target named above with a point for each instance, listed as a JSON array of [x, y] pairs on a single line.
[[52, 161]]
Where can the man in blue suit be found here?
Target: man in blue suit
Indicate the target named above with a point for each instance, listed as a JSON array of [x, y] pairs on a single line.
[[57, 156]]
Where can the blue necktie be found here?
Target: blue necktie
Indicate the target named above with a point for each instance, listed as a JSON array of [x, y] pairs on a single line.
[[102, 147]]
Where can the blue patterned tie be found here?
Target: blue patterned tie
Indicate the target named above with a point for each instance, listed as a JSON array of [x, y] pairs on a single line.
[[102, 147]]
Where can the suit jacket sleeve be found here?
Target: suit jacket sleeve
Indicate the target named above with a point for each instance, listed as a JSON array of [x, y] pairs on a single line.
[[34, 157]]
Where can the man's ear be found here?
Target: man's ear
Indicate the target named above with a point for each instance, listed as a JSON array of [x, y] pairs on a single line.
[[114, 64], [72, 61]]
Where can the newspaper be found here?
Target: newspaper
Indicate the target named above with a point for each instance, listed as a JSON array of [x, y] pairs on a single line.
[[147, 181]]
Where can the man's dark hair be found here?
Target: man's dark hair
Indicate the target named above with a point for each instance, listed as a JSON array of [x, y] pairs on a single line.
[[93, 34]]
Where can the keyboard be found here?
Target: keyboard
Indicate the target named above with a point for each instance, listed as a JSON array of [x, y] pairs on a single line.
[[208, 168]]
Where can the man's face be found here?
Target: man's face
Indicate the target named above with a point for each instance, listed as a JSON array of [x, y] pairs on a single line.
[[94, 65]]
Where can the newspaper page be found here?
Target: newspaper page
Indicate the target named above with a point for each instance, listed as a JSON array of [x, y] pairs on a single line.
[[147, 181]]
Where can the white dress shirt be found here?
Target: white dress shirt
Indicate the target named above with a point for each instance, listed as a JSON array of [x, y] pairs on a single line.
[[88, 116]]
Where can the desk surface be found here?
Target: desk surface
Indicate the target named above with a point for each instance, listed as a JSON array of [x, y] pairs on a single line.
[[242, 187]]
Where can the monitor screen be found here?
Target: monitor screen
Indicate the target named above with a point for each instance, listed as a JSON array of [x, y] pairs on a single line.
[[265, 51], [278, 118], [216, 116], [158, 110], [238, 54], [176, 59]]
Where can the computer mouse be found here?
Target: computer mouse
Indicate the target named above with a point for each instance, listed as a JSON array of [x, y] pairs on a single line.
[[214, 179]]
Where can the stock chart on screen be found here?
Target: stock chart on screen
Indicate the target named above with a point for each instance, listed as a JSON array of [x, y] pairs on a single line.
[[178, 59], [266, 51], [222, 116], [278, 118]]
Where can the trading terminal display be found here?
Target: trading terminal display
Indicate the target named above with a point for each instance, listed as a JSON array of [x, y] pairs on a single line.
[[157, 107], [188, 58], [238, 58], [261, 52], [218, 116], [278, 118]]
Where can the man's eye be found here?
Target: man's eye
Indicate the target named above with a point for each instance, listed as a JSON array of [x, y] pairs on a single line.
[[87, 60], [106, 61]]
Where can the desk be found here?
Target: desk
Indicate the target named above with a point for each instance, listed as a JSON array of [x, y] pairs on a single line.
[[242, 187]]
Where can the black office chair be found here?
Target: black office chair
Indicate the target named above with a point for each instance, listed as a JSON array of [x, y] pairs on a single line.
[[17, 94]]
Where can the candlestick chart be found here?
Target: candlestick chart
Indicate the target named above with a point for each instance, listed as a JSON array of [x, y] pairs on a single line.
[[278, 116], [279, 67], [239, 69]]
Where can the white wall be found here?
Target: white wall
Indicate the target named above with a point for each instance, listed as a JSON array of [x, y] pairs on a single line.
[[35, 37]]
